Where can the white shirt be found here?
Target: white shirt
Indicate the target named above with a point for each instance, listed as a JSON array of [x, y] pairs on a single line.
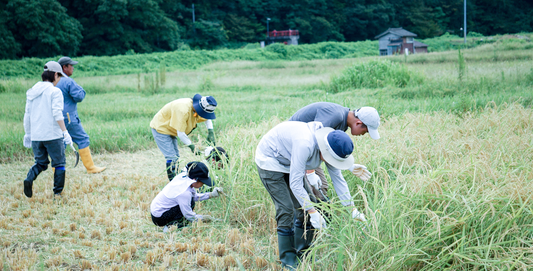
[[44, 108], [177, 192], [291, 148]]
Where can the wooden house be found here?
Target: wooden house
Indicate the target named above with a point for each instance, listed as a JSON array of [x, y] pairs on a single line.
[[398, 41]]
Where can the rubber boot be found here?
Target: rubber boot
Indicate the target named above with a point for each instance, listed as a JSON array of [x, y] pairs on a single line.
[[59, 181], [303, 239], [287, 253], [87, 160], [35, 170], [171, 170]]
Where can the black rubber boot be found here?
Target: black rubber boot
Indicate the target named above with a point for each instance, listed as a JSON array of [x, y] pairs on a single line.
[[59, 181], [287, 253], [303, 239], [171, 170], [35, 170]]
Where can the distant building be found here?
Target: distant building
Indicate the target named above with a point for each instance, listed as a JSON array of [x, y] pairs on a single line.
[[396, 40], [289, 37]]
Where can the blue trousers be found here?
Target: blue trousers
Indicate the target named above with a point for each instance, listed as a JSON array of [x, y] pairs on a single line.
[[53, 148], [76, 131]]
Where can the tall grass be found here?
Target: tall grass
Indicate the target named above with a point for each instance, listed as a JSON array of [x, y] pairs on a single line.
[[446, 193], [374, 74]]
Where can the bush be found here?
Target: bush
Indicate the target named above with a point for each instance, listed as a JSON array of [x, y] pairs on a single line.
[[374, 74]]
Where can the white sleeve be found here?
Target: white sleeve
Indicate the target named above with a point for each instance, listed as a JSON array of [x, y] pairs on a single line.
[[340, 185], [209, 124], [184, 138], [57, 104], [27, 122], [299, 156]]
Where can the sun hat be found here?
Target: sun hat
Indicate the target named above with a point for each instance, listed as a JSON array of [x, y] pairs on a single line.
[[66, 60], [336, 147], [204, 106], [370, 117], [199, 172], [52, 66]]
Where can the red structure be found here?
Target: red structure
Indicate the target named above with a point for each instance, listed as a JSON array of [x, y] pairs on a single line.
[[289, 37], [284, 33]]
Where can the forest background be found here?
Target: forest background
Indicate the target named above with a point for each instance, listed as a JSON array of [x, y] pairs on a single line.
[[47, 28]]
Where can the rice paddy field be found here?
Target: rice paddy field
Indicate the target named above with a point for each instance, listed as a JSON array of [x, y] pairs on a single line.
[[452, 182]]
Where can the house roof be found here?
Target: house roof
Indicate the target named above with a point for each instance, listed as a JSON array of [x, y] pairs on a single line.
[[420, 44], [397, 31]]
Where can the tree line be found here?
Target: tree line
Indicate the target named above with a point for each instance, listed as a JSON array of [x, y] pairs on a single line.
[[45, 28]]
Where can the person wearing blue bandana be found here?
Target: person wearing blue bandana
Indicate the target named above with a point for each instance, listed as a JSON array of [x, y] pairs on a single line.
[[282, 157], [174, 205], [178, 119]]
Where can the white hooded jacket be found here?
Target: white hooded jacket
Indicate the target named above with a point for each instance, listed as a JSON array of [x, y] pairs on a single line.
[[44, 107]]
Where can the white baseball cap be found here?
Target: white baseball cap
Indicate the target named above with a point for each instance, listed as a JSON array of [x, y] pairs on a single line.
[[52, 66], [370, 117]]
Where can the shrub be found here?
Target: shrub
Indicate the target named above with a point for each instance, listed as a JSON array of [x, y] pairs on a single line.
[[374, 74]]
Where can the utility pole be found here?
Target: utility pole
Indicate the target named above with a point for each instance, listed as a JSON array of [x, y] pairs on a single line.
[[268, 33], [193, 28], [465, 23]]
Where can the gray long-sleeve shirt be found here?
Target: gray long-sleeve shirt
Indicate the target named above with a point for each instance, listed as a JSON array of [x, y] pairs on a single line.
[[291, 147], [329, 114]]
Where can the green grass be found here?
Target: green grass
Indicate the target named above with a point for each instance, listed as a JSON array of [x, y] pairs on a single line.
[[451, 185]]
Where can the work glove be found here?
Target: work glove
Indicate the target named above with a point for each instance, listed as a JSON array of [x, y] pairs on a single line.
[[193, 149], [358, 215], [216, 192], [361, 172], [314, 180], [204, 218], [317, 220], [27, 141], [67, 140], [211, 137]]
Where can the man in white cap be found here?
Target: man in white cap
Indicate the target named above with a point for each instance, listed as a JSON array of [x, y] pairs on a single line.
[[178, 119], [282, 157], [72, 95], [338, 117], [44, 128]]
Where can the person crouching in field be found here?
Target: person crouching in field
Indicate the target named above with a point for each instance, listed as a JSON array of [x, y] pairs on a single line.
[[178, 119], [174, 205], [44, 128], [282, 156]]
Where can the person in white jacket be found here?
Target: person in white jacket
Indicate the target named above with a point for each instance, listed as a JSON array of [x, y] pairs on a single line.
[[282, 157], [174, 205], [44, 128]]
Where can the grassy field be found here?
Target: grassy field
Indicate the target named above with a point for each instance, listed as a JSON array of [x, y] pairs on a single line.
[[451, 187]]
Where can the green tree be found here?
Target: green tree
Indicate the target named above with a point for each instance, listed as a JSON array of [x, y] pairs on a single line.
[[209, 35], [9, 48], [42, 28], [116, 26], [240, 28]]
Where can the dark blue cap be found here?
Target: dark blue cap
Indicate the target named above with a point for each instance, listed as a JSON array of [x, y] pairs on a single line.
[[199, 172], [340, 143], [204, 106]]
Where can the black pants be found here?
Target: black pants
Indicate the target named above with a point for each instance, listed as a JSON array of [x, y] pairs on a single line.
[[172, 217]]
